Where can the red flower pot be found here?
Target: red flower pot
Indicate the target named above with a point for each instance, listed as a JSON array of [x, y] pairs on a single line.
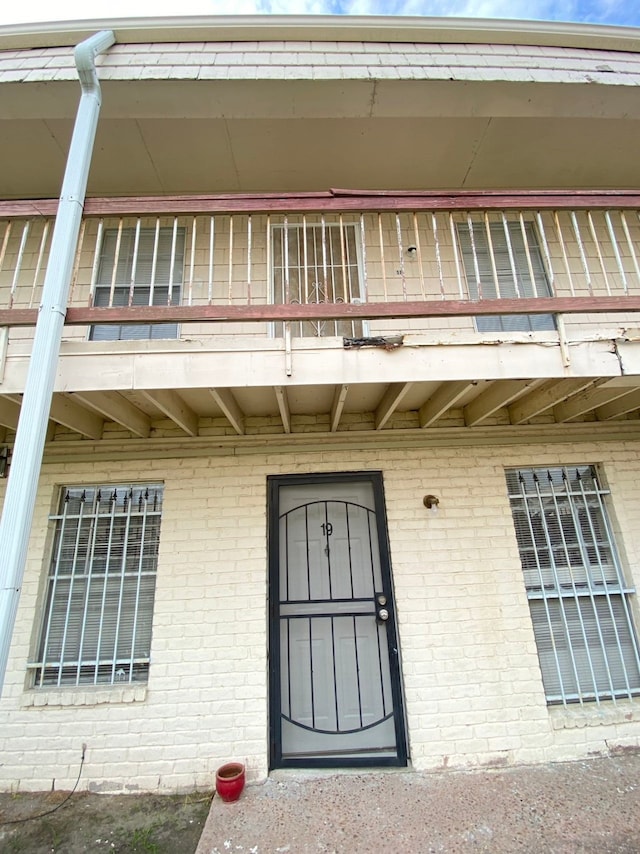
[[230, 781]]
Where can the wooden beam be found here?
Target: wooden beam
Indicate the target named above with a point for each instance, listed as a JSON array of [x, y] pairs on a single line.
[[344, 200], [328, 311], [623, 405], [499, 394], [549, 394], [9, 412], [283, 406], [390, 402], [175, 408], [77, 418], [228, 404], [114, 407], [587, 401], [444, 397], [339, 399]]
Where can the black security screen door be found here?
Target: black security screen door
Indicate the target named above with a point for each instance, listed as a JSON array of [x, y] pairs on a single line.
[[335, 686]]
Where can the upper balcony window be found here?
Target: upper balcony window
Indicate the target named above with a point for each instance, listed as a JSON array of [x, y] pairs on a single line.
[[139, 266], [318, 263], [503, 261]]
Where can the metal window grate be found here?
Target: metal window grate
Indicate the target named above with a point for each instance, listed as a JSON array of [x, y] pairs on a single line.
[[503, 260], [578, 597], [138, 266], [317, 263], [100, 586]]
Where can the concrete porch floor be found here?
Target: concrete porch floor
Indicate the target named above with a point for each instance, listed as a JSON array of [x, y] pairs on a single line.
[[558, 808]]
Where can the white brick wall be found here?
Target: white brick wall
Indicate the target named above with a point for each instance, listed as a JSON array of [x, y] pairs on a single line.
[[471, 680], [331, 60]]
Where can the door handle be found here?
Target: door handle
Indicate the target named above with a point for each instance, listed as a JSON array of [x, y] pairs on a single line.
[[383, 615]]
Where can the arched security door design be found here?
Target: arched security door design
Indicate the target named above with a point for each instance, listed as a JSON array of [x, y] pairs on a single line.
[[335, 682]]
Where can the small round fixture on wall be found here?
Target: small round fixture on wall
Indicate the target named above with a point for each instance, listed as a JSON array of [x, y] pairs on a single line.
[[412, 252], [431, 502]]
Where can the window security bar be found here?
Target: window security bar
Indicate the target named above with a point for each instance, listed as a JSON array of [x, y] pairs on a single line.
[[579, 600], [100, 587]]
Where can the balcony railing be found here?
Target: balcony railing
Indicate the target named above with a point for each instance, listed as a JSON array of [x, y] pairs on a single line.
[[324, 265]]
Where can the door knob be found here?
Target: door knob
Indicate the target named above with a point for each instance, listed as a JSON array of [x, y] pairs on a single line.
[[383, 615]]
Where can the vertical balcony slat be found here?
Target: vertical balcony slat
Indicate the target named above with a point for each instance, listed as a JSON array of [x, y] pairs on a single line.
[[527, 252], [492, 255], [632, 249], [583, 257], [346, 295], [382, 260], [116, 259], [616, 251], [154, 262], [249, 257], [456, 258], [172, 259], [363, 250], [474, 254], [230, 269], [212, 229], [416, 237], [563, 247], [16, 273], [192, 259], [325, 273], [596, 243], [401, 270], [134, 262], [41, 253], [547, 255], [285, 260], [5, 242], [512, 261], [305, 255], [96, 260]]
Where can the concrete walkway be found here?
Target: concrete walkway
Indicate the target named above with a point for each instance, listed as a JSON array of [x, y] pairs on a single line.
[[591, 806]]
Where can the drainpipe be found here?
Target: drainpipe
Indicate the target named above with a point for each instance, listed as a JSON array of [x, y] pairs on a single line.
[[22, 485]]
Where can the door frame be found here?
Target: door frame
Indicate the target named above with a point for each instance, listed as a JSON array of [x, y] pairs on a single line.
[[274, 484]]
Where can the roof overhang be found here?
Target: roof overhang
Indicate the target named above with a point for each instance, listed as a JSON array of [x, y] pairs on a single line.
[[350, 28]]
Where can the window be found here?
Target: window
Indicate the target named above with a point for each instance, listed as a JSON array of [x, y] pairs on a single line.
[[317, 264], [507, 265], [100, 586], [135, 268], [580, 603]]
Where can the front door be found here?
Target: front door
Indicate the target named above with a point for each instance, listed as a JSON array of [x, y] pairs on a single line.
[[335, 681]]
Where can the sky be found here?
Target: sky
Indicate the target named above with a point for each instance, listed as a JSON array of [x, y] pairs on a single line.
[[612, 12]]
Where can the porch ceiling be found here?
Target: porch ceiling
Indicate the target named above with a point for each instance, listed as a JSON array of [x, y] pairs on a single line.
[[399, 408], [179, 137]]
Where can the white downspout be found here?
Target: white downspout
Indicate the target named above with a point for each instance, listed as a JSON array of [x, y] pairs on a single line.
[[22, 485]]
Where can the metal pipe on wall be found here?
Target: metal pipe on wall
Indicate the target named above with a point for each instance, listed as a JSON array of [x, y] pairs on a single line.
[[22, 485]]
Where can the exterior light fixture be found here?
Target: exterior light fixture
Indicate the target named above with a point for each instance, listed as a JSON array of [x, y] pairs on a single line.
[[431, 503], [5, 455], [412, 252]]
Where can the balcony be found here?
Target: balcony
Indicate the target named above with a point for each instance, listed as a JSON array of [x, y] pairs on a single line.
[[331, 312]]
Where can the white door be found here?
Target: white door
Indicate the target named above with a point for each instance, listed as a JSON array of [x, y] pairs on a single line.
[[335, 681]]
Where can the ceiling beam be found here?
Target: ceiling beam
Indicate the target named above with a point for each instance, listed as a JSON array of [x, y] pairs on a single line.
[[624, 404], [549, 394], [9, 412], [587, 401], [444, 397], [501, 393], [77, 418], [337, 407], [229, 405], [173, 406], [283, 406], [390, 402], [114, 407]]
